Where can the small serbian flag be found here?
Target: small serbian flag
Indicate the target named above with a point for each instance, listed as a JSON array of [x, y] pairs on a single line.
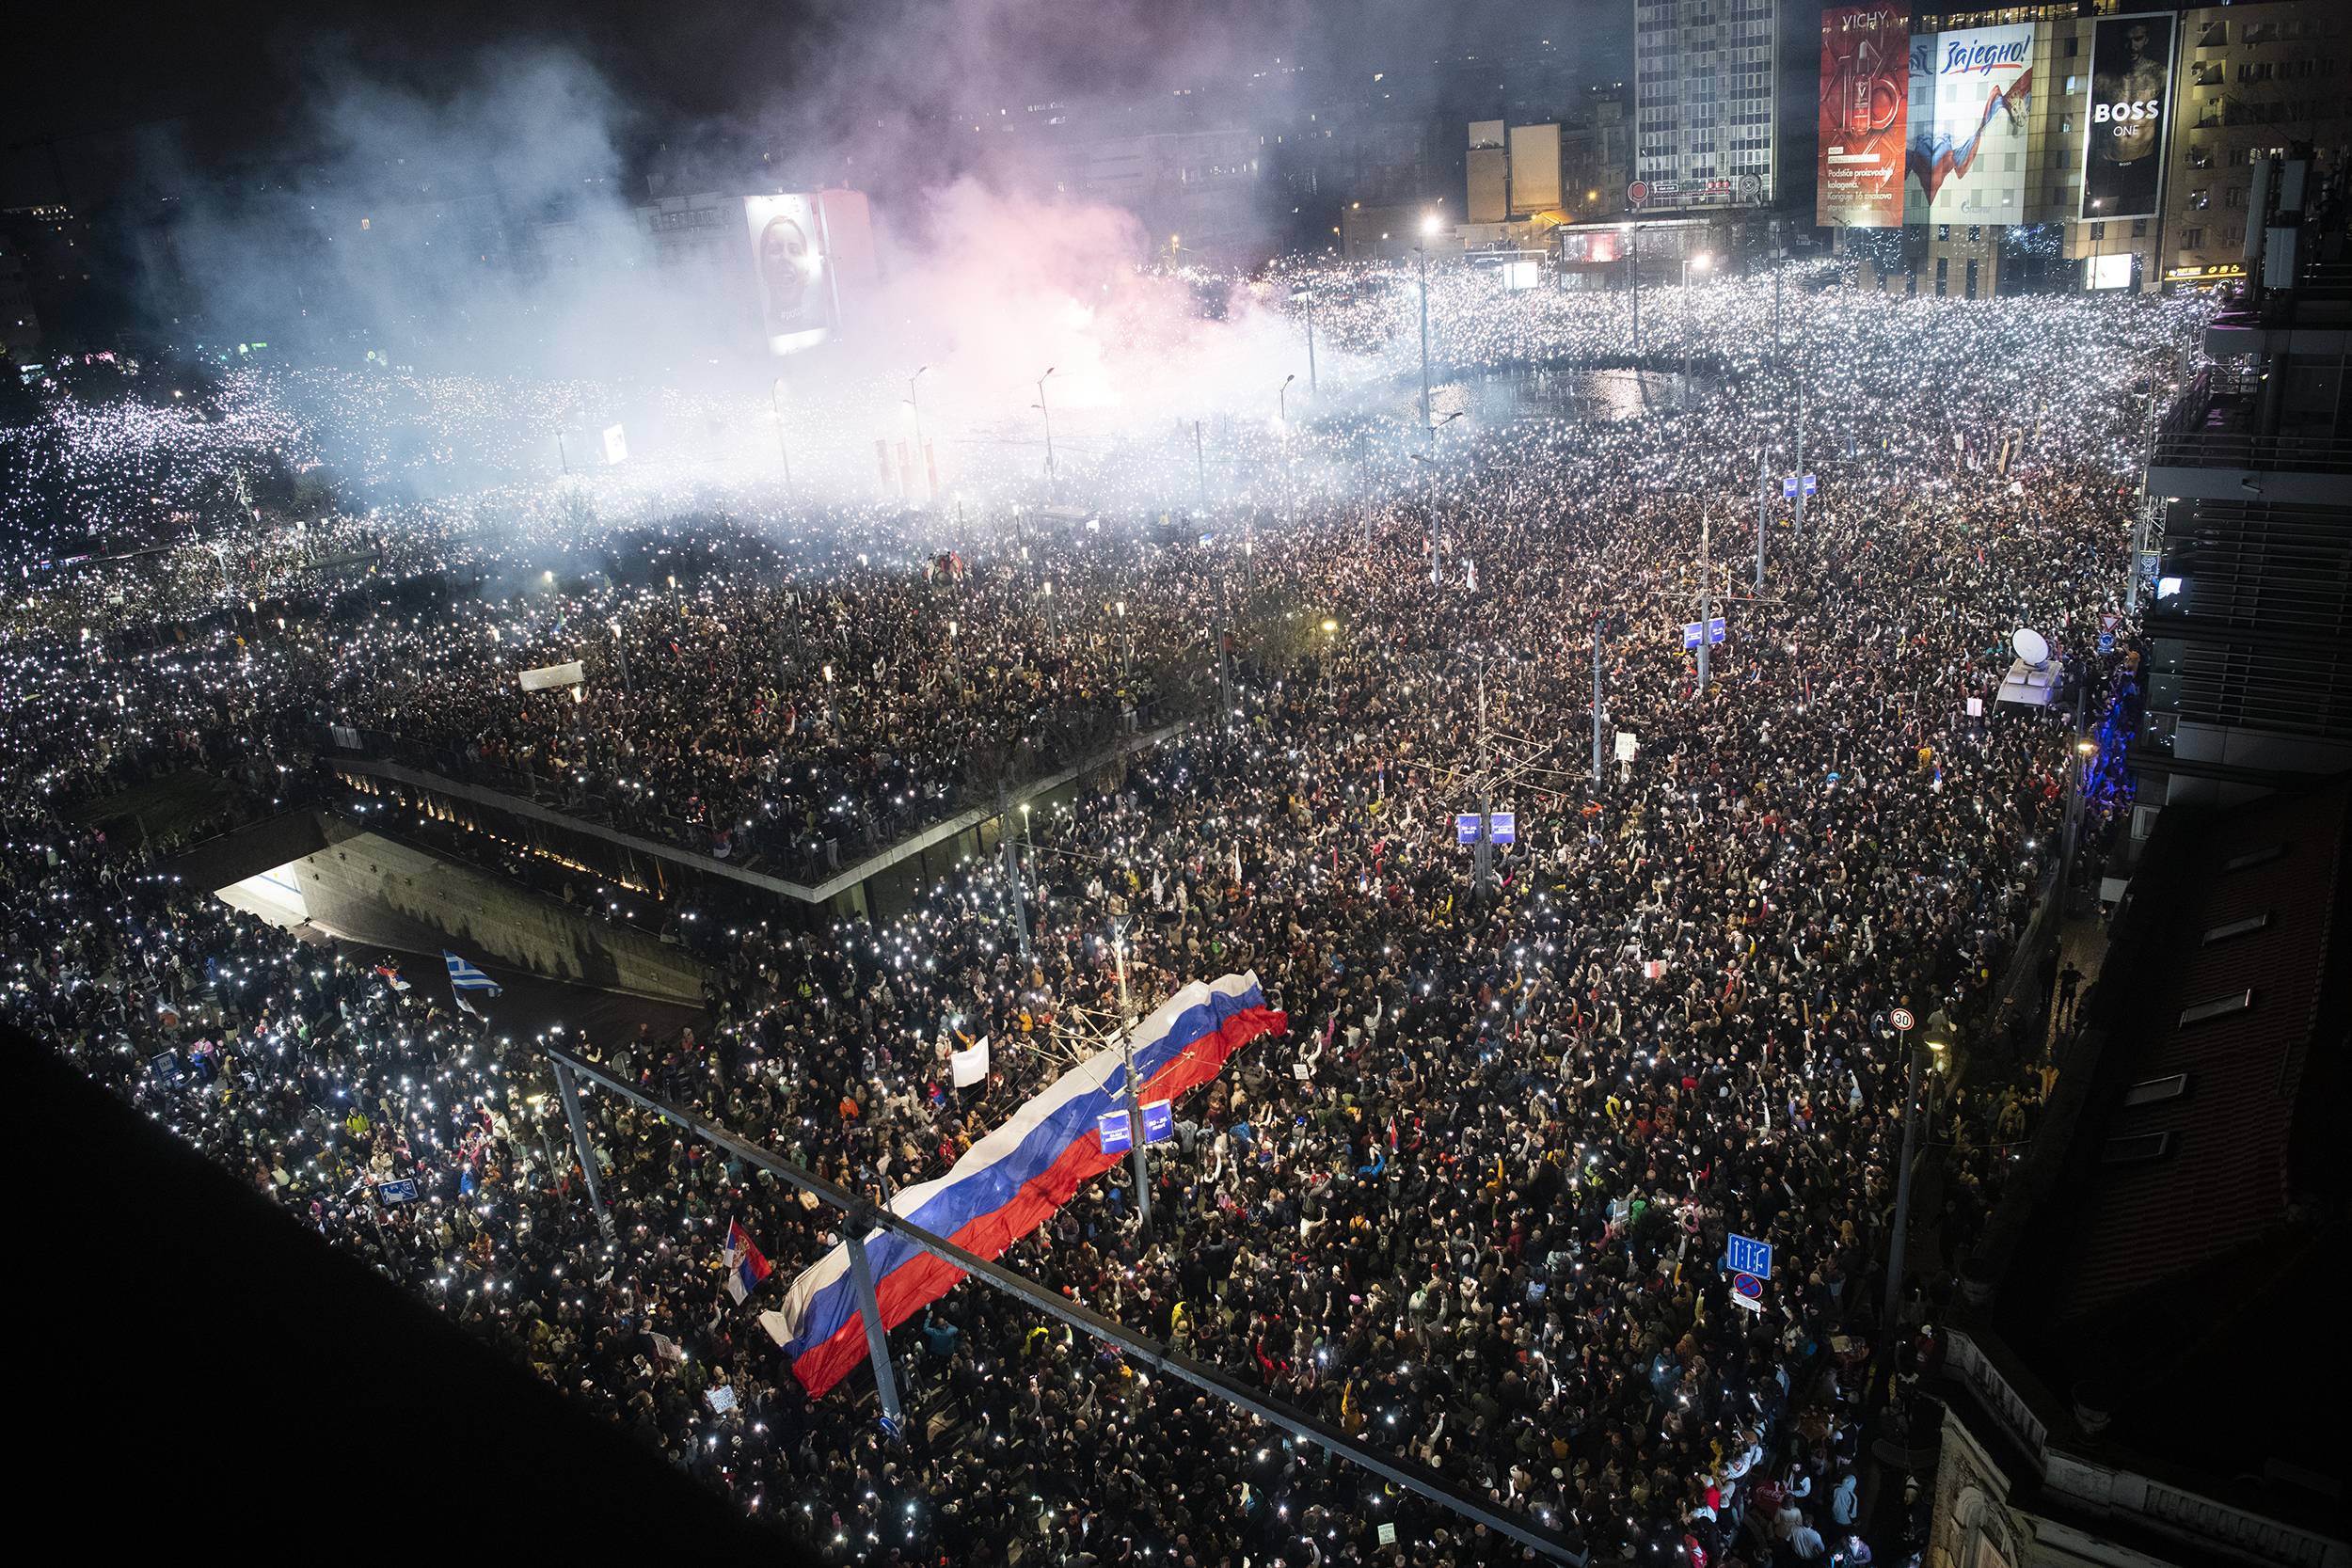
[[392, 977], [745, 1267]]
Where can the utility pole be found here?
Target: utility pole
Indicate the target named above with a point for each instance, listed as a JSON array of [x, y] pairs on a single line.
[[918, 409], [1483, 856], [1597, 618], [1633, 269], [777, 409], [1423, 251], [1313, 387], [1224, 669], [1800, 460], [1763, 490], [1052, 494], [1707, 599], [1134, 1108], [1013, 873], [1902, 1189], [1200, 455]]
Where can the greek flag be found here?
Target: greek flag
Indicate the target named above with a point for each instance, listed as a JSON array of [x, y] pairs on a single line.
[[463, 977]]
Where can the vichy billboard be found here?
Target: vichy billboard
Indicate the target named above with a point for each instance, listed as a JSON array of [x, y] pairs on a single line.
[[1865, 50]]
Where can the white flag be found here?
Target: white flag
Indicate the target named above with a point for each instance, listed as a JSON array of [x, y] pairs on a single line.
[[968, 1067]]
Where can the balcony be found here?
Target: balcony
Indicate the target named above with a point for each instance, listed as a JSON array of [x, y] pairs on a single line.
[[2210, 446]]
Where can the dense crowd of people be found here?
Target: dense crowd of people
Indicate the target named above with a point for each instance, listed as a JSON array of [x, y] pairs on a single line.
[[1471, 1207]]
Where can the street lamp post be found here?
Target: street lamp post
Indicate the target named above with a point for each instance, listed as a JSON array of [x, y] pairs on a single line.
[[774, 391], [1051, 493], [1428, 227], [917, 407], [1135, 1107], [1903, 1185], [1312, 388], [1702, 262]]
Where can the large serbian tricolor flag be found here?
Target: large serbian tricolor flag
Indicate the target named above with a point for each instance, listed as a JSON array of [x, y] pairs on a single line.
[[1010, 1180]]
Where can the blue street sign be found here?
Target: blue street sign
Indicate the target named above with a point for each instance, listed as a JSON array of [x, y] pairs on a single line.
[[166, 1065], [402, 1191], [1159, 1122], [2107, 641], [1789, 488], [1112, 1128], [1690, 632], [1502, 827], [1808, 484], [1465, 828], [1742, 1255]]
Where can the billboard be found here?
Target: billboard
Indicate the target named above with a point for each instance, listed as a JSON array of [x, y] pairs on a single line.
[[1970, 94], [2131, 97], [787, 262], [1534, 168], [1865, 56]]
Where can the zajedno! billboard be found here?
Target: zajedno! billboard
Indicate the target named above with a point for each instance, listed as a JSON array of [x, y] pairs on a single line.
[[1971, 95], [1866, 65]]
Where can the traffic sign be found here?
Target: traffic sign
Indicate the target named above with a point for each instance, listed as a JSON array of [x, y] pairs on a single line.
[[1789, 488], [1159, 1122], [1748, 1291], [1808, 484], [1637, 192], [1502, 827], [402, 1191], [1112, 1128], [2108, 623], [1744, 1256], [1901, 1018], [1690, 632], [2107, 641]]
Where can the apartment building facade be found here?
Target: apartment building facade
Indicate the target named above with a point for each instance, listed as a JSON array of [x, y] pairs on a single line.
[[2255, 81]]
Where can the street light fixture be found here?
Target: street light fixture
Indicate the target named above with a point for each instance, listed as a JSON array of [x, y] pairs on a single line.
[[919, 426], [1428, 226], [1052, 494]]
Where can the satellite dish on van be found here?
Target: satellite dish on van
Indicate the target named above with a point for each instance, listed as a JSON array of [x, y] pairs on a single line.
[[2029, 645]]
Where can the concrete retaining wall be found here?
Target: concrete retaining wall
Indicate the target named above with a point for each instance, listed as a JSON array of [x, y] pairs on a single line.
[[377, 890]]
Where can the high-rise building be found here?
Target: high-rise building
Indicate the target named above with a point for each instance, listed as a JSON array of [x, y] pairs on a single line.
[[2252, 81], [1725, 104], [2250, 680]]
